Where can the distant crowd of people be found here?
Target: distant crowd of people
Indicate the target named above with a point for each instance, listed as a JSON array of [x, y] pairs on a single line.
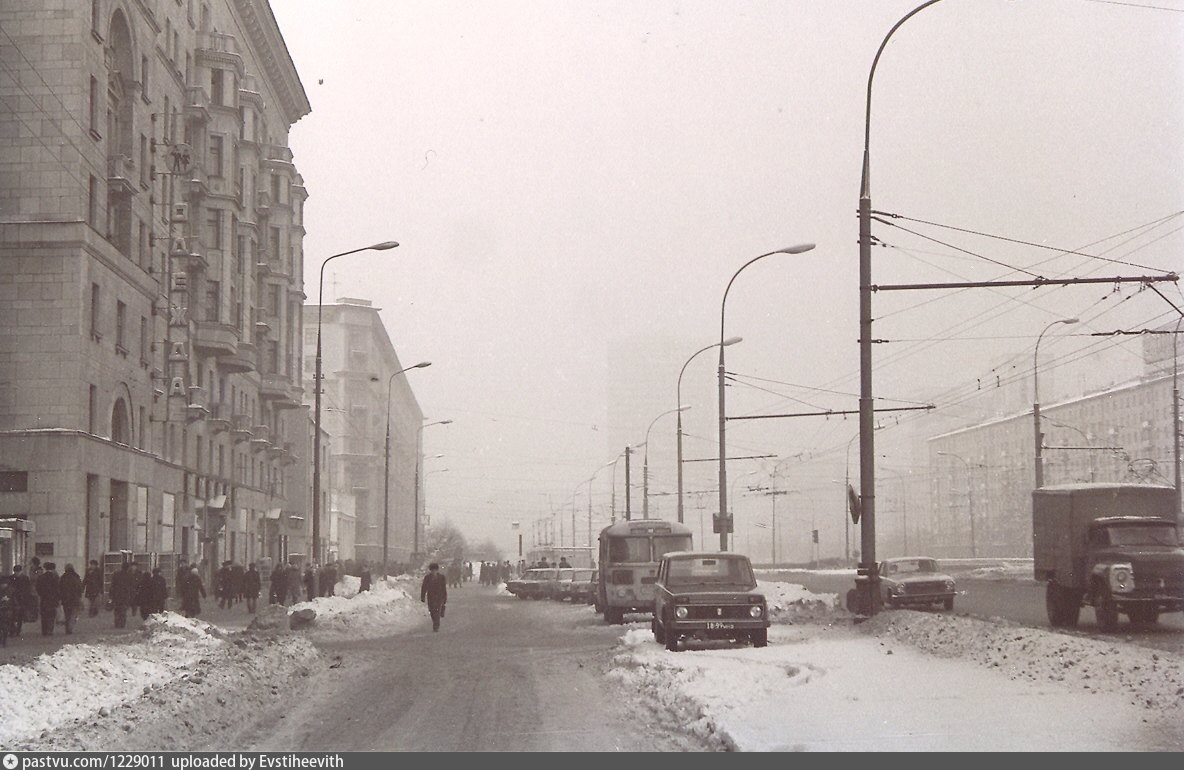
[[41, 593]]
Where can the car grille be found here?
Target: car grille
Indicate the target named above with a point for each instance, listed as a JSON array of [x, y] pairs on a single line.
[[1172, 585], [930, 587], [709, 612]]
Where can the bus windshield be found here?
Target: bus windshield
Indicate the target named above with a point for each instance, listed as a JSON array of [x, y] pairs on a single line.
[[629, 549]]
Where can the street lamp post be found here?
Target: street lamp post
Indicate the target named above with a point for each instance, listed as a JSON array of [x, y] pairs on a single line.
[[415, 494], [1176, 411], [969, 499], [315, 547], [1036, 400], [868, 580], [386, 477], [645, 468], [723, 459], [678, 400]]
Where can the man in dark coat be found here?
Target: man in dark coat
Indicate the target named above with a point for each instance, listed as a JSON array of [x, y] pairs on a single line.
[[143, 594], [236, 583], [309, 583], [279, 587], [222, 587], [70, 588], [365, 579], [251, 585], [92, 588], [133, 601], [22, 592], [49, 595], [179, 580], [434, 590], [158, 593], [191, 594], [122, 585]]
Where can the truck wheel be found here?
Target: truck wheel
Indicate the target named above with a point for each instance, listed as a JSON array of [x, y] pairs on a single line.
[[614, 616], [672, 642], [948, 603], [760, 638], [1106, 611], [1063, 605], [659, 631]]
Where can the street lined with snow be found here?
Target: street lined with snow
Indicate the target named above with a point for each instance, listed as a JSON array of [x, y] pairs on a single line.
[[904, 681]]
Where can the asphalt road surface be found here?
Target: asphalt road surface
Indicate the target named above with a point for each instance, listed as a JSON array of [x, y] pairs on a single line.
[[502, 674], [1016, 600]]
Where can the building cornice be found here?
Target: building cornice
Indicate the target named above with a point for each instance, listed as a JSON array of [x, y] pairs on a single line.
[[268, 44]]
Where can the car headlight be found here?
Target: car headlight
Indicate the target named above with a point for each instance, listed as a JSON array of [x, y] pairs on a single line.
[[1122, 578], [680, 612], [756, 610], [622, 592], [949, 585]]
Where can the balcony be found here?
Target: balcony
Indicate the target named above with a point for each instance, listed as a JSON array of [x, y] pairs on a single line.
[[240, 427], [195, 408], [242, 359], [215, 339], [121, 175], [197, 104], [219, 419], [259, 437]]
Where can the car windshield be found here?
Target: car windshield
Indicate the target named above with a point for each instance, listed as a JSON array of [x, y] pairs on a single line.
[[535, 574], [909, 566], [1142, 534], [564, 574], [583, 574], [710, 570]]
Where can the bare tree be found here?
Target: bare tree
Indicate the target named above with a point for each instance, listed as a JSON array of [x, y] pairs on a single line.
[[445, 543]]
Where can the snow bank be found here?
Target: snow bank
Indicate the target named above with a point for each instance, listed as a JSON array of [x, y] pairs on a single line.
[[790, 603], [388, 607]]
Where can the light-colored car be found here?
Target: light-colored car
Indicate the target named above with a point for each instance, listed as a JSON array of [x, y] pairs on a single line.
[[708, 596], [530, 585], [579, 587], [915, 580]]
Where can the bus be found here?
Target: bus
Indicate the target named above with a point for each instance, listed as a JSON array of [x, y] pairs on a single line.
[[629, 555]]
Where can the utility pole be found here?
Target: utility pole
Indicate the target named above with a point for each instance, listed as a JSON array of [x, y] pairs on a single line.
[[628, 502]]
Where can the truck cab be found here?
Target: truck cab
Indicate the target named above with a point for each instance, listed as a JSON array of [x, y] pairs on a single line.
[[1115, 547]]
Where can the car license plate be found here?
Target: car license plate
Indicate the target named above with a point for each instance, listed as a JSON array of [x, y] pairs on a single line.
[[715, 625]]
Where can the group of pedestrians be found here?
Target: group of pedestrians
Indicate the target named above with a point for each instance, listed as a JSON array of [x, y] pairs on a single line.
[[27, 598], [491, 572]]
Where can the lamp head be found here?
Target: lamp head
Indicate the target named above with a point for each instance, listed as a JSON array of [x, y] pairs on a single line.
[[1070, 320], [422, 365], [384, 245], [732, 341], [796, 249]]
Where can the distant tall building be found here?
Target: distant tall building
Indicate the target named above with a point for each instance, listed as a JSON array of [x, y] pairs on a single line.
[[358, 361], [151, 275]]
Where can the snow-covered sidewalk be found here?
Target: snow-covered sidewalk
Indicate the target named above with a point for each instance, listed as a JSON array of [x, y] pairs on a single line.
[[908, 681]]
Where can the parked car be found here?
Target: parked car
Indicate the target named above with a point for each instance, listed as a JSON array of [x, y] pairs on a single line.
[[708, 596], [580, 586], [530, 585], [555, 578], [911, 581]]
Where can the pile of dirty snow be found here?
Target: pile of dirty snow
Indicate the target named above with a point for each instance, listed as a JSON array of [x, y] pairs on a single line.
[[791, 603], [388, 607]]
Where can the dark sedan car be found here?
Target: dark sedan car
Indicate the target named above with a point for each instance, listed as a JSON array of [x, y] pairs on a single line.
[[915, 581], [708, 596]]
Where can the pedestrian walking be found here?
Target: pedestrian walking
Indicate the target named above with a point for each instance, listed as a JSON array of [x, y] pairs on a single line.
[[143, 595], [158, 593], [434, 591], [22, 592], [192, 593], [309, 583], [236, 582], [121, 593], [133, 601], [92, 588], [251, 585], [49, 597], [365, 579], [8, 612], [222, 585], [278, 588], [70, 588], [292, 581]]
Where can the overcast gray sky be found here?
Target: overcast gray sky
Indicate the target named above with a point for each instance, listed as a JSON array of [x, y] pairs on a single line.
[[562, 176]]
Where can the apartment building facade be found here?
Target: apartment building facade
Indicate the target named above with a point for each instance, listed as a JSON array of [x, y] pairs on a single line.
[[151, 276], [360, 367]]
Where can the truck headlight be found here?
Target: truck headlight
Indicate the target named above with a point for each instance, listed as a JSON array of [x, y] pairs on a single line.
[[680, 612], [756, 610], [949, 585], [1122, 578]]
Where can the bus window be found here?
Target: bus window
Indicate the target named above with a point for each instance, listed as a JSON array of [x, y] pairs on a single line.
[[629, 549], [664, 544]]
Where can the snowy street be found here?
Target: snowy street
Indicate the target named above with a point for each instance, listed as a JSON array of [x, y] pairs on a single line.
[[505, 674]]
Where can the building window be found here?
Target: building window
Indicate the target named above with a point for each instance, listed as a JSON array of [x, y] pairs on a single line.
[[93, 107], [14, 481], [213, 301], [92, 202], [145, 343], [145, 163], [145, 71], [92, 408], [96, 17], [214, 228], [216, 93], [95, 333], [145, 247], [216, 144], [120, 322]]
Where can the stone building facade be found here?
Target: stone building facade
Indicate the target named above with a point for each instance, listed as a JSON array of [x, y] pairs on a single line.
[[359, 363], [150, 281]]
